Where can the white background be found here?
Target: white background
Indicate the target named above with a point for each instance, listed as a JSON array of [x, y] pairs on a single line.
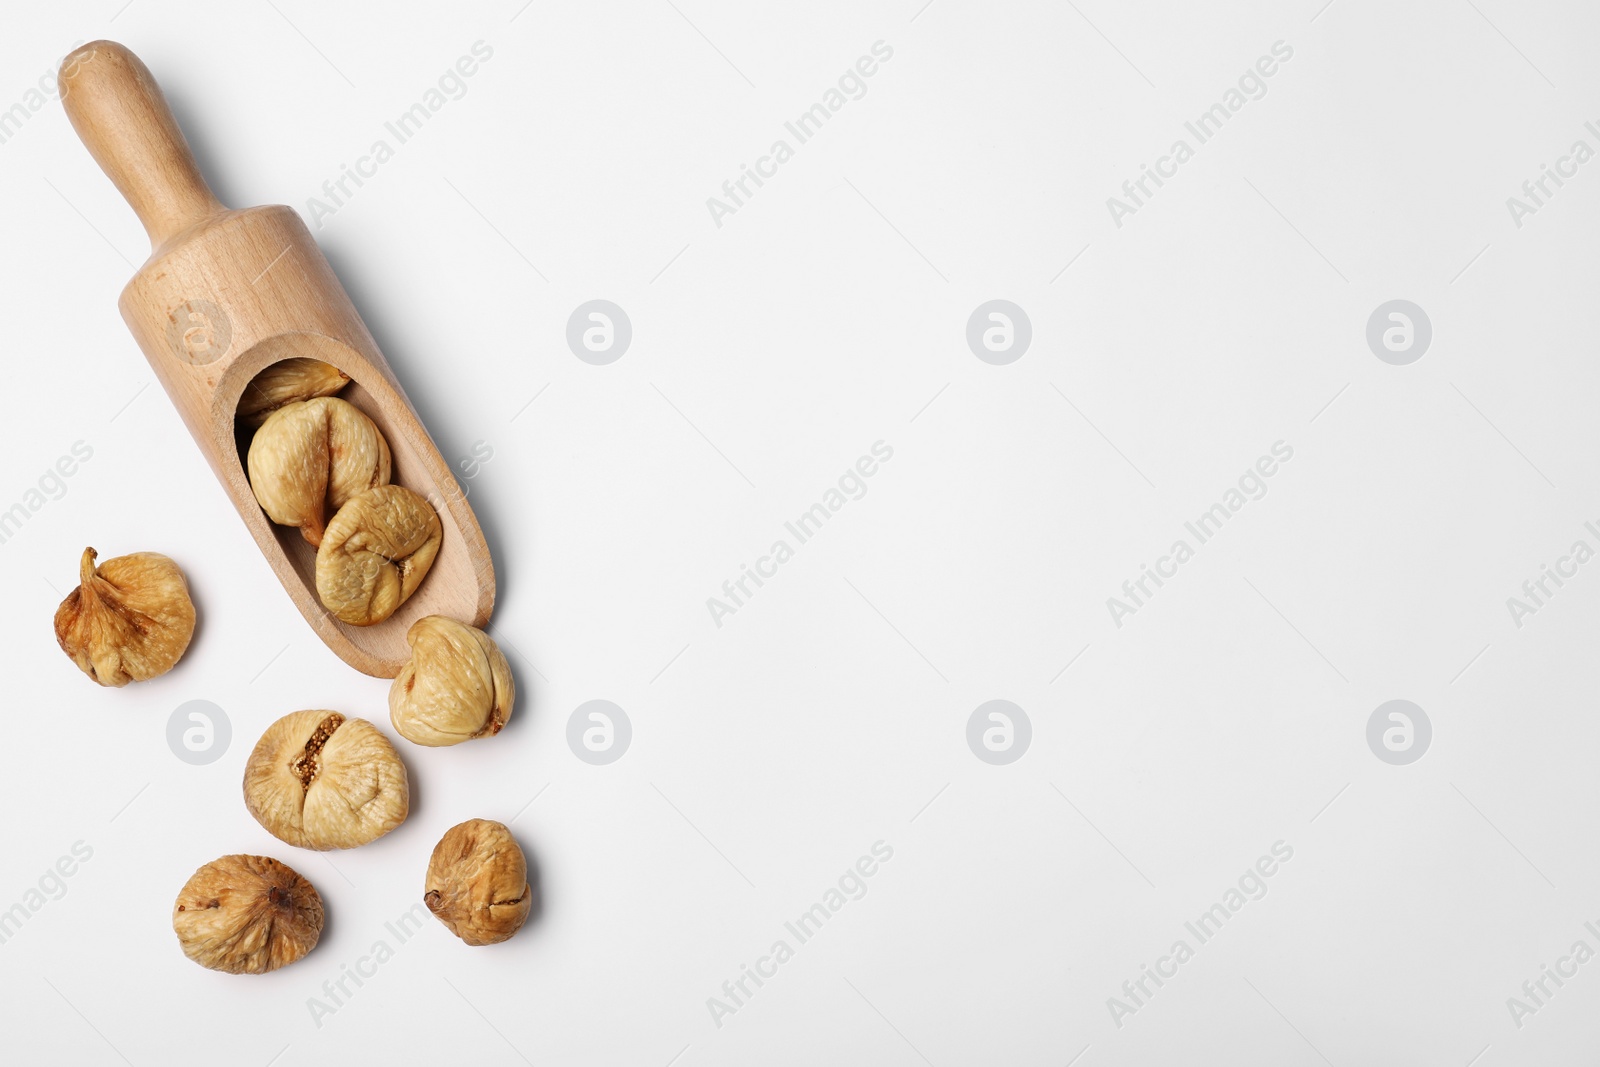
[[830, 712]]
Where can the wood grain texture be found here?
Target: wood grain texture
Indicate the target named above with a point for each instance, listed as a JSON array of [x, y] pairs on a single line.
[[226, 294]]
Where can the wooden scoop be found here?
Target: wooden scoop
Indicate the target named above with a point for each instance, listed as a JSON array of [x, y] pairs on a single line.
[[226, 294]]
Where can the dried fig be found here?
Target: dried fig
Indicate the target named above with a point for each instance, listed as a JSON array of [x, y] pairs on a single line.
[[456, 686], [478, 882], [375, 553], [129, 620], [286, 382], [247, 915], [319, 780], [309, 458]]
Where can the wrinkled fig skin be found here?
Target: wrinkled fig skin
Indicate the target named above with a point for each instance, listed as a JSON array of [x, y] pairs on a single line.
[[478, 882], [310, 458], [129, 620], [375, 553], [456, 686], [247, 915], [287, 382], [319, 780]]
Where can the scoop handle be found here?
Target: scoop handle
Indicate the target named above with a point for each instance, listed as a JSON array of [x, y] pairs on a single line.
[[123, 119]]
